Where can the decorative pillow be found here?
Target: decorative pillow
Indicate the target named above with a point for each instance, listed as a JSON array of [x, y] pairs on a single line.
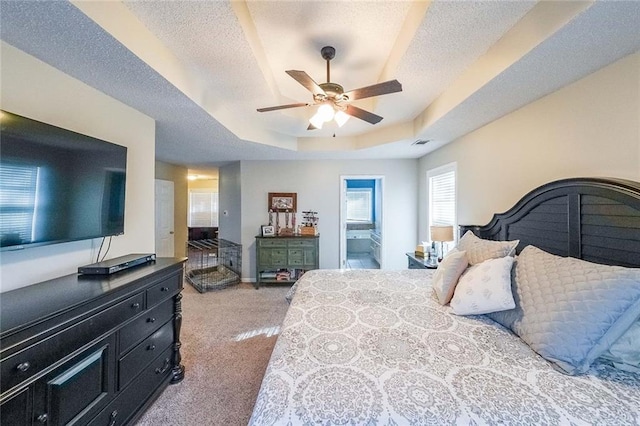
[[479, 250], [568, 310], [446, 276], [625, 352], [484, 288]]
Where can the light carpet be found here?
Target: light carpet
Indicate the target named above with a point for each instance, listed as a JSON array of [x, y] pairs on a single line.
[[225, 350]]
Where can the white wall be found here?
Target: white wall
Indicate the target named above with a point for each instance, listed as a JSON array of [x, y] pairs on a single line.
[[590, 128], [35, 90], [317, 184]]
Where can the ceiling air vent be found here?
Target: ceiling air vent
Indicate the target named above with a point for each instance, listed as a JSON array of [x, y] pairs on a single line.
[[421, 142]]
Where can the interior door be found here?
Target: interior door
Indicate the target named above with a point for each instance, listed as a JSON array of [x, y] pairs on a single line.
[[164, 218]]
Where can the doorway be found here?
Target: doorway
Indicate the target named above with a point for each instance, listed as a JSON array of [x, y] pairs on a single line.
[[361, 219], [164, 218]]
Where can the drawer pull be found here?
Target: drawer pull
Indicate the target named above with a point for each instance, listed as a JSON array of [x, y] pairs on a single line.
[[164, 289], [151, 347], [113, 416], [42, 418], [23, 366], [164, 368], [151, 320], [135, 305]]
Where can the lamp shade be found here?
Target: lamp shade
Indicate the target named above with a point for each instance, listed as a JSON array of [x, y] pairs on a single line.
[[441, 233]]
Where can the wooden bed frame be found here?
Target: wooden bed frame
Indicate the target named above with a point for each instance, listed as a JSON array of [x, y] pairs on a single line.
[[595, 219]]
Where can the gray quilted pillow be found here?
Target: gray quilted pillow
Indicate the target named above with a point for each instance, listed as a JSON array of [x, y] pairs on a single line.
[[568, 310], [479, 250]]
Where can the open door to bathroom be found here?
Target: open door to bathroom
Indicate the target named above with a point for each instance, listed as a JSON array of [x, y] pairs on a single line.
[[361, 236]]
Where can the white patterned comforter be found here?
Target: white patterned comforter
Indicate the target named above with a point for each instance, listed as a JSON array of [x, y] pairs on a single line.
[[375, 348]]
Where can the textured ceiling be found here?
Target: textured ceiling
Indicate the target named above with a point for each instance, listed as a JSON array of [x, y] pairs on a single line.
[[201, 68]]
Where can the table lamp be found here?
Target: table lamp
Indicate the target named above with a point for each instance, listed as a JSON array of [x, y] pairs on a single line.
[[441, 234]]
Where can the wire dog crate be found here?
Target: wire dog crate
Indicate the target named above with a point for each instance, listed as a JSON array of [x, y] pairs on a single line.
[[213, 264]]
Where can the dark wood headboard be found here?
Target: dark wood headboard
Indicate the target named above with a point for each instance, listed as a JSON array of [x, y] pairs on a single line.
[[595, 219]]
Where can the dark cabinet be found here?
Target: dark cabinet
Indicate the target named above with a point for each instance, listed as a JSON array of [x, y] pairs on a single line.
[[93, 348], [415, 262]]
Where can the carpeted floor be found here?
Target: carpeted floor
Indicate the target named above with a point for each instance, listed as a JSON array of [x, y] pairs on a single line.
[[225, 350]]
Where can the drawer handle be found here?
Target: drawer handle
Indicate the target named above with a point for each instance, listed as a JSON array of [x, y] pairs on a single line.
[[164, 368], [164, 289], [135, 305], [23, 366], [42, 418], [151, 347], [113, 416], [151, 320]]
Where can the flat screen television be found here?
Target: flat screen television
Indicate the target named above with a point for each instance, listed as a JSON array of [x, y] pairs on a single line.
[[57, 185]]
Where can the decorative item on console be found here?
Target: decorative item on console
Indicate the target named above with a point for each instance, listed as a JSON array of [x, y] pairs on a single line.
[[309, 223], [283, 202], [287, 230]]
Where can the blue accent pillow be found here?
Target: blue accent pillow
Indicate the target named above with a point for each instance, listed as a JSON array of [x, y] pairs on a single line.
[[568, 310]]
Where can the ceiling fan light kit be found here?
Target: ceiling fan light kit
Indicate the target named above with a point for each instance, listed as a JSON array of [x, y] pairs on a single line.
[[334, 102]]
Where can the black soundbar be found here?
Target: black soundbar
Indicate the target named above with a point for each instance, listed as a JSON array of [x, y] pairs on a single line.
[[117, 264]]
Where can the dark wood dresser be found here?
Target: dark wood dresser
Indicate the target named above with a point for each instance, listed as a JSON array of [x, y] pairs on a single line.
[[92, 350]]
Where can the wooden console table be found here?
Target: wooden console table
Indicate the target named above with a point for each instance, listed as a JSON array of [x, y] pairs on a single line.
[[297, 253]]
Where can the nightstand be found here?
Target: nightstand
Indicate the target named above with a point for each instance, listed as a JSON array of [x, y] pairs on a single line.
[[415, 262]]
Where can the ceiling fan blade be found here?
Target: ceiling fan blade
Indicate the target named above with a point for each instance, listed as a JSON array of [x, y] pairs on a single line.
[[304, 79], [384, 88], [367, 116], [274, 108]]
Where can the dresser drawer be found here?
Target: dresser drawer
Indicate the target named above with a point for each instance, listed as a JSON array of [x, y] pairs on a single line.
[[276, 242], [144, 325], [120, 410], [163, 290], [302, 243], [144, 353], [22, 365], [272, 257], [296, 257]]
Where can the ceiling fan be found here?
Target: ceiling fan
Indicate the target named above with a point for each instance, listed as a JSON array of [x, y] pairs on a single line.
[[334, 102]]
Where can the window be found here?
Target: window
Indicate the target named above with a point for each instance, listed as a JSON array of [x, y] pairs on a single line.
[[442, 196], [359, 205], [203, 208], [18, 185]]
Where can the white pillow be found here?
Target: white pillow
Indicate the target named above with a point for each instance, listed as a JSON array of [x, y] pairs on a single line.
[[478, 250], [446, 277], [485, 288]]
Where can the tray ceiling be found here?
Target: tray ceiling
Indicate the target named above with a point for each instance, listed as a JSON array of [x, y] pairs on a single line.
[[201, 68]]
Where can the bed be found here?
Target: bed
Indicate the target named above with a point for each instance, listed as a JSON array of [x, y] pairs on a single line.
[[378, 347]]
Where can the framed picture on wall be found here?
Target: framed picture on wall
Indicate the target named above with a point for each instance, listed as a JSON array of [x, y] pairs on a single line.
[[282, 202], [268, 230]]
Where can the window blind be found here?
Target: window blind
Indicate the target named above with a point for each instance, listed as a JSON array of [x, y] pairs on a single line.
[[442, 191], [203, 208], [359, 208]]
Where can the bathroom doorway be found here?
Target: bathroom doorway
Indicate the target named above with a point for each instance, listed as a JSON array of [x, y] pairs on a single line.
[[361, 236]]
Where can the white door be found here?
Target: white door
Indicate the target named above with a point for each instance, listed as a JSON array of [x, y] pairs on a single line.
[[164, 218]]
